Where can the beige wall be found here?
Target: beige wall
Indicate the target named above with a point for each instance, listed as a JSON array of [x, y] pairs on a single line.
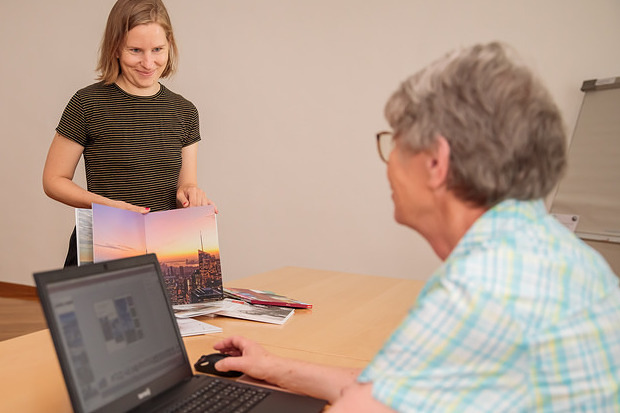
[[290, 94]]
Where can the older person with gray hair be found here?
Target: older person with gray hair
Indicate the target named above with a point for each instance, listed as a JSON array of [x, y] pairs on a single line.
[[522, 315]]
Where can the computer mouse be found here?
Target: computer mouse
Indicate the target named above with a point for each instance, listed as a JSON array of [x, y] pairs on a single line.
[[206, 364]]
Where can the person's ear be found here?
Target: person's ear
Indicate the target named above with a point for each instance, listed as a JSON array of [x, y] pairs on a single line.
[[438, 163]]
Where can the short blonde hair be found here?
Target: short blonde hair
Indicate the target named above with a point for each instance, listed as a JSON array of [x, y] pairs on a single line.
[[505, 133], [124, 16]]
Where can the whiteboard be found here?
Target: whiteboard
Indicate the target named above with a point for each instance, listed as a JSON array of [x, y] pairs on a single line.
[[589, 193]]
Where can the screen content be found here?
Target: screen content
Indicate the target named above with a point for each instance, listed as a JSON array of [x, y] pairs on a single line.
[[116, 331]]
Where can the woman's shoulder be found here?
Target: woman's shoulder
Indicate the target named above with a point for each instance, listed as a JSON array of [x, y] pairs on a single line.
[[175, 97], [95, 90]]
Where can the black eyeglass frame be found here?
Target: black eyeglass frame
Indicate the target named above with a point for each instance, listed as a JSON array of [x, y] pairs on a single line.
[[385, 138]]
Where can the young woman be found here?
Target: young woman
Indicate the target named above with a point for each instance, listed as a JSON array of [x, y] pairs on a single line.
[[139, 140]]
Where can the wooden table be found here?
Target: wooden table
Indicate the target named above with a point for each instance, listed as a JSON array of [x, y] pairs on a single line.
[[352, 315]]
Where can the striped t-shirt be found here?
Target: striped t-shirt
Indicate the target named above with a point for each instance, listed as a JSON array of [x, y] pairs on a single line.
[[521, 317], [132, 144]]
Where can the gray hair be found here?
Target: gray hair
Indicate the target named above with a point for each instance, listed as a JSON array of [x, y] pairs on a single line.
[[505, 133]]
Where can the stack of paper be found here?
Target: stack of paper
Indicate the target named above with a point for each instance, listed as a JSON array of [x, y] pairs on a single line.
[[228, 308], [191, 327]]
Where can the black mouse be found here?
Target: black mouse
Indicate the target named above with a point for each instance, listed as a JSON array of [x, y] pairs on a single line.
[[206, 364]]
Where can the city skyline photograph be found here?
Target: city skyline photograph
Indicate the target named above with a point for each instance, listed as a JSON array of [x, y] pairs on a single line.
[[174, 235]]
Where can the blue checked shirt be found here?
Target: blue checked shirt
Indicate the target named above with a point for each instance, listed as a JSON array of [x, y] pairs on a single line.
[[521, 317]]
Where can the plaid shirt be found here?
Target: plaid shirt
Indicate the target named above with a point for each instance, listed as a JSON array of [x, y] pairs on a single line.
[[521, 317]]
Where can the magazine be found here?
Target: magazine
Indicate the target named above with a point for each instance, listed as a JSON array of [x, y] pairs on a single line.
[[185, 241], [256, 312], [84, 235], [263, 297]]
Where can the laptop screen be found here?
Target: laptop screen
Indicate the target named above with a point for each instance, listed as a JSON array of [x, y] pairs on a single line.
[[114, 333]]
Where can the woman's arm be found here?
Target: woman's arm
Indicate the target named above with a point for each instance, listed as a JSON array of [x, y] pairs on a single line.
[[357, 397], [337, 385], [323, 382], [62, 159], [188, 192]]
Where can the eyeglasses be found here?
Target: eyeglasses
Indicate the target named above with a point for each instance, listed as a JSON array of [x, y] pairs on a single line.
[[385, 145]]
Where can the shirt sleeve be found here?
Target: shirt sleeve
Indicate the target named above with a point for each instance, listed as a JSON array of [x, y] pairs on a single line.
[[72, 123], [458, 349], [193, 127]]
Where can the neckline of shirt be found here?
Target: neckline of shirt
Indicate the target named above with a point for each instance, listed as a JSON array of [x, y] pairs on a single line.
[[161, 90]]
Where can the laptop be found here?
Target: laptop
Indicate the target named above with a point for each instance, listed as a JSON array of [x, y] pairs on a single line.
[[120, 349]]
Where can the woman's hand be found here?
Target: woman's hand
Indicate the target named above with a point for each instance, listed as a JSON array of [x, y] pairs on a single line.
[[248, 357], [323, 382], [128, 206], [191, 196], [188, 193]]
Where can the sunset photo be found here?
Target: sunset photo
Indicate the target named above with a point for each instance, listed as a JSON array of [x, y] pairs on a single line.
[[184, 240]]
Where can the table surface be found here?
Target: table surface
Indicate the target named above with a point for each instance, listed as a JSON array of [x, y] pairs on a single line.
[[352, 315]]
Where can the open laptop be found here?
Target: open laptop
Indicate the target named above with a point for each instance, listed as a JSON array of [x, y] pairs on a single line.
[[120, 348]]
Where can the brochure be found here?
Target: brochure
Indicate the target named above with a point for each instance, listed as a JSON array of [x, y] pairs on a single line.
[[255, 312], [263, 297], [185, 241]]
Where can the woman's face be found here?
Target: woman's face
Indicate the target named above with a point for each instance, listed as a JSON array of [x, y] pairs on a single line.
[[408, 176], [143, 59]]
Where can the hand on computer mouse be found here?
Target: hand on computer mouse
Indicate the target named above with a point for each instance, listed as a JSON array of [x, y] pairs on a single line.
[[206, 364], [251, 358]]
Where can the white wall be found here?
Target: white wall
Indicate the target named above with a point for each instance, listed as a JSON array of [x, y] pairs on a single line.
[[290, 94]]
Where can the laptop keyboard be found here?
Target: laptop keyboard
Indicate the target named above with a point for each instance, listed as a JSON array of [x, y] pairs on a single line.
[[222, 397]]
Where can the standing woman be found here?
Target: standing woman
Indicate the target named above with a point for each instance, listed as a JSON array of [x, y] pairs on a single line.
[[139, 140]]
